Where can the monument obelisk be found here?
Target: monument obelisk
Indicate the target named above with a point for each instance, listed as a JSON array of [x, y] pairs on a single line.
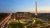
[[36, 9]]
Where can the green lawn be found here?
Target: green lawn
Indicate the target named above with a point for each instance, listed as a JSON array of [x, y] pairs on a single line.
[[22, 25]]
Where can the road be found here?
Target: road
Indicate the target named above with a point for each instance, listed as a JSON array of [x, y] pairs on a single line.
[[5, 21]]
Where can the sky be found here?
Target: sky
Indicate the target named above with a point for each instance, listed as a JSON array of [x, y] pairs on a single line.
[[8, 6]]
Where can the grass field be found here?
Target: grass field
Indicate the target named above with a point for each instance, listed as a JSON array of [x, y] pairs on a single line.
[[32, 23]]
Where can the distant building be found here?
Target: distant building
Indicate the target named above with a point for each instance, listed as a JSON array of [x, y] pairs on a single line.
[[20, 15]]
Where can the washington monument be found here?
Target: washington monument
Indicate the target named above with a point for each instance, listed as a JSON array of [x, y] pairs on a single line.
[[36, 9]]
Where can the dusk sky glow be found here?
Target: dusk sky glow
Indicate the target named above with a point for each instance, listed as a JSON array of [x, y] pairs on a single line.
[[24, 6]]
